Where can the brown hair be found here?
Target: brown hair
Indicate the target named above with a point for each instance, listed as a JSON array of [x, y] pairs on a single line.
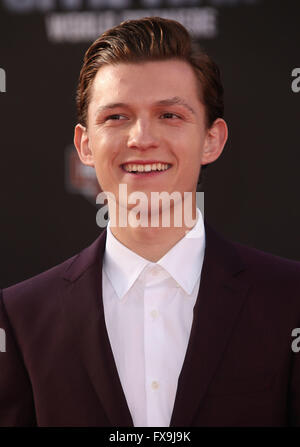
[[151, 38]]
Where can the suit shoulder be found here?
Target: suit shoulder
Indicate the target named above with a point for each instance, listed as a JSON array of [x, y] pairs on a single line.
[[46, 281], [47, 286], [264, 263], [243, 257]]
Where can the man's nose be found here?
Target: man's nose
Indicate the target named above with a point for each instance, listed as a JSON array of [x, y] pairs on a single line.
[[142, 135]]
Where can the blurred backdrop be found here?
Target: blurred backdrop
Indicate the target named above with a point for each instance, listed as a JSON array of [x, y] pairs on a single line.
[[48, 208]]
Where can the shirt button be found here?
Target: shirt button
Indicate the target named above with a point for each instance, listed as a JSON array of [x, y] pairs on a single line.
[[154, 385], [153, 313]]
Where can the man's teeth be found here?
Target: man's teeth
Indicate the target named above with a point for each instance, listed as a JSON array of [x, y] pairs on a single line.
[[146, 168]]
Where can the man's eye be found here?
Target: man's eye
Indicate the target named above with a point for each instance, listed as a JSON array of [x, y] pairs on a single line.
[[115, 117], [170, 115]]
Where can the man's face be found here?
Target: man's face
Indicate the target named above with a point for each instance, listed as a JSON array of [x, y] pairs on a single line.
[[145, 113]]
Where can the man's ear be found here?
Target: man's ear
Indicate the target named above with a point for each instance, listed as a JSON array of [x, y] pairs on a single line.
[[81, 142], [215, 141]]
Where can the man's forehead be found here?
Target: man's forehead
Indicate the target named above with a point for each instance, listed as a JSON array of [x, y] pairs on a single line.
[[173, 72], [152, 82]]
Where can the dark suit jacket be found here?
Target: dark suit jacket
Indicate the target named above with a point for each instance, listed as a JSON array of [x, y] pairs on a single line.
[[239, 369]]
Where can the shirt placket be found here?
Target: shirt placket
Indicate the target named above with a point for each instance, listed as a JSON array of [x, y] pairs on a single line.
[[154, 340]]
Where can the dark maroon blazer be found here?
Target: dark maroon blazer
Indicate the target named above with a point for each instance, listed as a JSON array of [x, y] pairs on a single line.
[[239, 369]]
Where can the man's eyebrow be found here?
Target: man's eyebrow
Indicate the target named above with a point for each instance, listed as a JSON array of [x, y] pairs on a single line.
[[176, 100], [112, 105]]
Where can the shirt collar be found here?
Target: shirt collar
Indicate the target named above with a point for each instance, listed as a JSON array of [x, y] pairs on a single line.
[[123, 266], [184, 260]]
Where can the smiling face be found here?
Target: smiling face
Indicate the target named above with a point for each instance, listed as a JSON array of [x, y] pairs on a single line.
[[146, 116]]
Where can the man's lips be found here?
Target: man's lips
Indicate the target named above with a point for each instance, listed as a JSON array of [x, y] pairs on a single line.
[[144, 162], [154, 167]]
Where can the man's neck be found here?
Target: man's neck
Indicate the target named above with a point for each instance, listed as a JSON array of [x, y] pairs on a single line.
[[150, 242]]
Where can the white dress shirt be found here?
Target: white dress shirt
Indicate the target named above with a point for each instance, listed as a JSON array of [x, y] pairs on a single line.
[[148, 309]]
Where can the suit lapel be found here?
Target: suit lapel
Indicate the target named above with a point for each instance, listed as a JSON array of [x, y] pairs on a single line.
[[220, 300], [83, 306]]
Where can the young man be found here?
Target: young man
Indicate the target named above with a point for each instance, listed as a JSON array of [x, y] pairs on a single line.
[[152, 325]]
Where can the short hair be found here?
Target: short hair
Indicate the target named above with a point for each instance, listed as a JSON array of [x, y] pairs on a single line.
[[151, 39]]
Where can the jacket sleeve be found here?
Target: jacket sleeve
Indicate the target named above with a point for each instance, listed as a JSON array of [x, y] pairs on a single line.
[[16, 398]]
